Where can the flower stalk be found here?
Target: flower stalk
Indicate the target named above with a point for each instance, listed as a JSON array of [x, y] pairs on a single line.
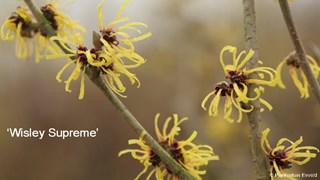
[[303, 61], [95, 77], [173, 165], [254, 117]]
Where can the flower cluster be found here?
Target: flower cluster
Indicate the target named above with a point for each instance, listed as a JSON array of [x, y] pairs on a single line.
[[294, 69], [236, 92], [283, 157], [24, 26], [113, 48], [118, 45], [191, 156]]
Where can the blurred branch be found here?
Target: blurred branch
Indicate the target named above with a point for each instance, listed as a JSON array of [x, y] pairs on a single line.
[[314, 85], [315, 51], [254, 117], [94, 75]]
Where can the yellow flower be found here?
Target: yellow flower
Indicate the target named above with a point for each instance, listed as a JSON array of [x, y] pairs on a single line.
[[24, 26], [192, 157], [109, 65], [44, 46], [117, 46], [60, 22], [227, 90], [118, 39], [237, 72], [20, 23], [294, 69], [283, 157], [80, 57], [113, 68], [223, 89], [63, 26], [236, 91]]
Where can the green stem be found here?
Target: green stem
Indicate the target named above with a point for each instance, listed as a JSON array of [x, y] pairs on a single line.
[[173, 165], [254, 117], [44, 24], [302, 58], [94, 75]]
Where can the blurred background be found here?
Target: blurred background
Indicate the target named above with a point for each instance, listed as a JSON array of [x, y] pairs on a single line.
[[182, 66]]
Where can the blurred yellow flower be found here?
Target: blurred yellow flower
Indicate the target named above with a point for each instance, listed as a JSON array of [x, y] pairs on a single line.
[[60, 22], [283, 157], [190, 156], [236, 92], [123, 45], [294, 70], [20, 23], [23, 24]]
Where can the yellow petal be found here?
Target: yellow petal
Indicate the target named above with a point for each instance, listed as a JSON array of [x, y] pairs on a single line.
[[121, 10], [265, 141], [139, 38], [245, 60], [297, 82], [151, 173], [100, 15], [278, 74], [190, 139], [214, 105], [156, 126], [265, 103], [230, 49], [242, 96], [228, 109], [206, 99], [159, 174], [58, 77], [165, 126], [81, 94], [305, 84], [276, 168], [142, 172]]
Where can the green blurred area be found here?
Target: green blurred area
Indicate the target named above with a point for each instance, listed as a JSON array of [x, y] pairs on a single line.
[[182, 66]]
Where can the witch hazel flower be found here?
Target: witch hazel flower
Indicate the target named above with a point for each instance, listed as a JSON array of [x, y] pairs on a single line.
[[298, 77], [191, 156], [118, 45], [236, 91], [20, 25], [30, 39], [118, 39], [111, 56], [286, 153]]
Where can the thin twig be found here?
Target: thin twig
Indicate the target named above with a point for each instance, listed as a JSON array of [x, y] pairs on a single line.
[[94, 76], [173, 165], [303, 61], [254, 117]]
